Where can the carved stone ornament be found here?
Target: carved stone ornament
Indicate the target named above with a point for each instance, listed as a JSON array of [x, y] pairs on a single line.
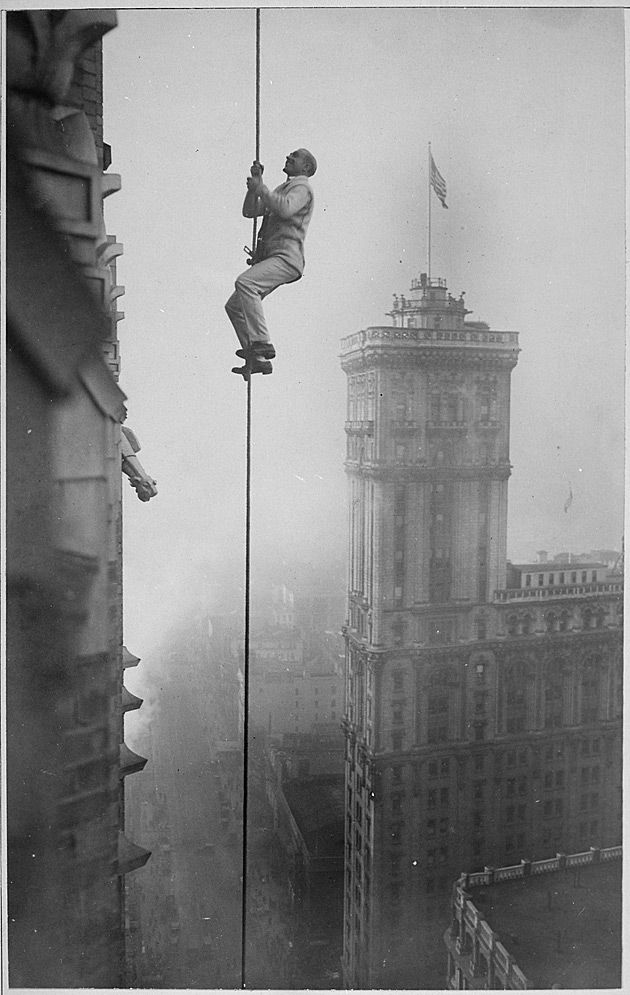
[[43, 47]]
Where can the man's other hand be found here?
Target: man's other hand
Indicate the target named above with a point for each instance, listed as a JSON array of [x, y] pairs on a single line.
[[257, 168]]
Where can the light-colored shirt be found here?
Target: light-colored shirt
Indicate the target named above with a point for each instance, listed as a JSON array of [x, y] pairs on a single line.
[[287, 211]]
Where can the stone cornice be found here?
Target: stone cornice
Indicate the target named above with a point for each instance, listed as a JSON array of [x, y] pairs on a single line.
[[402, 473]]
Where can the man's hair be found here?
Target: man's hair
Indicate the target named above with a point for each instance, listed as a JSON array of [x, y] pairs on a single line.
[[309, 160]]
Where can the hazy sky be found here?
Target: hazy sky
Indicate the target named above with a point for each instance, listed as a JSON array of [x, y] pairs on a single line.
[[525, 112]]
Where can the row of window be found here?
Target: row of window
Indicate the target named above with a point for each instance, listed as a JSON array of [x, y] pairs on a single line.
[[522, 625], [553, 753], [564, 577]]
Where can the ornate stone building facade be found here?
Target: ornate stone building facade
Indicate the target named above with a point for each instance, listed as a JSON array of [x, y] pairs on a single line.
[[483, 721], [66, 756]]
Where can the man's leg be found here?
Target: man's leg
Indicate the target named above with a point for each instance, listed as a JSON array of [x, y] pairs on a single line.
[[235, 314], [252, 287]]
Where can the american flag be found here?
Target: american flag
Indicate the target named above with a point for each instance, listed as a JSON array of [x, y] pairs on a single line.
[[437, 182]]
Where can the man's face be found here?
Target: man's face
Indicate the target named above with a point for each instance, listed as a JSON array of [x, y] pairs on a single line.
[[295, 164]]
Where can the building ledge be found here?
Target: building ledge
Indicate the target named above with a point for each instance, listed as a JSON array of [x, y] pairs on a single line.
[[130, 762], [128, 659], [129, 700], [130, 856]]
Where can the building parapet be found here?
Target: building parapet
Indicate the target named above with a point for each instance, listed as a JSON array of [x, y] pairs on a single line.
[[492, 875], [560, 591], [437, 337]]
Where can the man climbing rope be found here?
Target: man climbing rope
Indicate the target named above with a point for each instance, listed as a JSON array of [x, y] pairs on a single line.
[[278, 256]]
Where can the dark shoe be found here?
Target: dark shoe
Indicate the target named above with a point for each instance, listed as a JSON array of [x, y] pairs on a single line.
[[253, 366], [261, 350]]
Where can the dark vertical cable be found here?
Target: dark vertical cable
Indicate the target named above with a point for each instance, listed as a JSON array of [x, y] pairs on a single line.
[[248, 480]]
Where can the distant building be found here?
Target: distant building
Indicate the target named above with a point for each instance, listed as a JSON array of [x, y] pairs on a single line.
[[552, 923], [296, 674], [483, 713], [67, 761]]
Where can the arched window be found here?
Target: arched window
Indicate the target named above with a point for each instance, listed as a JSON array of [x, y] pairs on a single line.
[[590, 691], [480, 627], [512, 625], [440, 696], [563, 624], [551, 622], [553, 698], [526, 625], [587, 618]]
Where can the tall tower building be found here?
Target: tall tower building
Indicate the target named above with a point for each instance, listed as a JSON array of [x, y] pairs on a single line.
[[451, 727]]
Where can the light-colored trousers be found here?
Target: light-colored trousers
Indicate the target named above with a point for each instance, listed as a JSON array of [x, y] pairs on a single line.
[[244, 308]]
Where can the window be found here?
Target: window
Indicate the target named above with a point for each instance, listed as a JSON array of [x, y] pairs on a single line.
[[541, 580], [478, 790], [444, 767], [431, 827], [509, 813], [397, 774], [528, 580], [584, 576], [561, 579], [480, 731], [431, 798], [397, 739], [550, 580], [480, 702], [511, 787], [398, 680], [443, 796], [559, 779], [594, 577], [397, 714], [433, 768], [478, 762]]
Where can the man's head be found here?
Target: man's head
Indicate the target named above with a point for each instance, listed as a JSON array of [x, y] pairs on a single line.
[[300, 163]]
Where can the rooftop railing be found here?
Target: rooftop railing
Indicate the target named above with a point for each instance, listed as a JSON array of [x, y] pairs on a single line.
[[558, 591], [445, 337]]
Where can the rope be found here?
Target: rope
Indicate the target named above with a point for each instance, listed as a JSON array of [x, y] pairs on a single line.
[[248, 481]]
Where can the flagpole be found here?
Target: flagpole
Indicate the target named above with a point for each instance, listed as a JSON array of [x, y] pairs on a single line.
[[429, 189]]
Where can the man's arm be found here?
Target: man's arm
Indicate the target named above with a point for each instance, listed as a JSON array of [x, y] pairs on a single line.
[[253, 206], [285, 205]]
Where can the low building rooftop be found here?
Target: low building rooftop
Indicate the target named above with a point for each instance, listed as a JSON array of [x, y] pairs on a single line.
[[318, 807], [563, 928]]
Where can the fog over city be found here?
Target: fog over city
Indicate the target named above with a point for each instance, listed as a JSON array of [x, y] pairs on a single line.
[[524, 110]]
